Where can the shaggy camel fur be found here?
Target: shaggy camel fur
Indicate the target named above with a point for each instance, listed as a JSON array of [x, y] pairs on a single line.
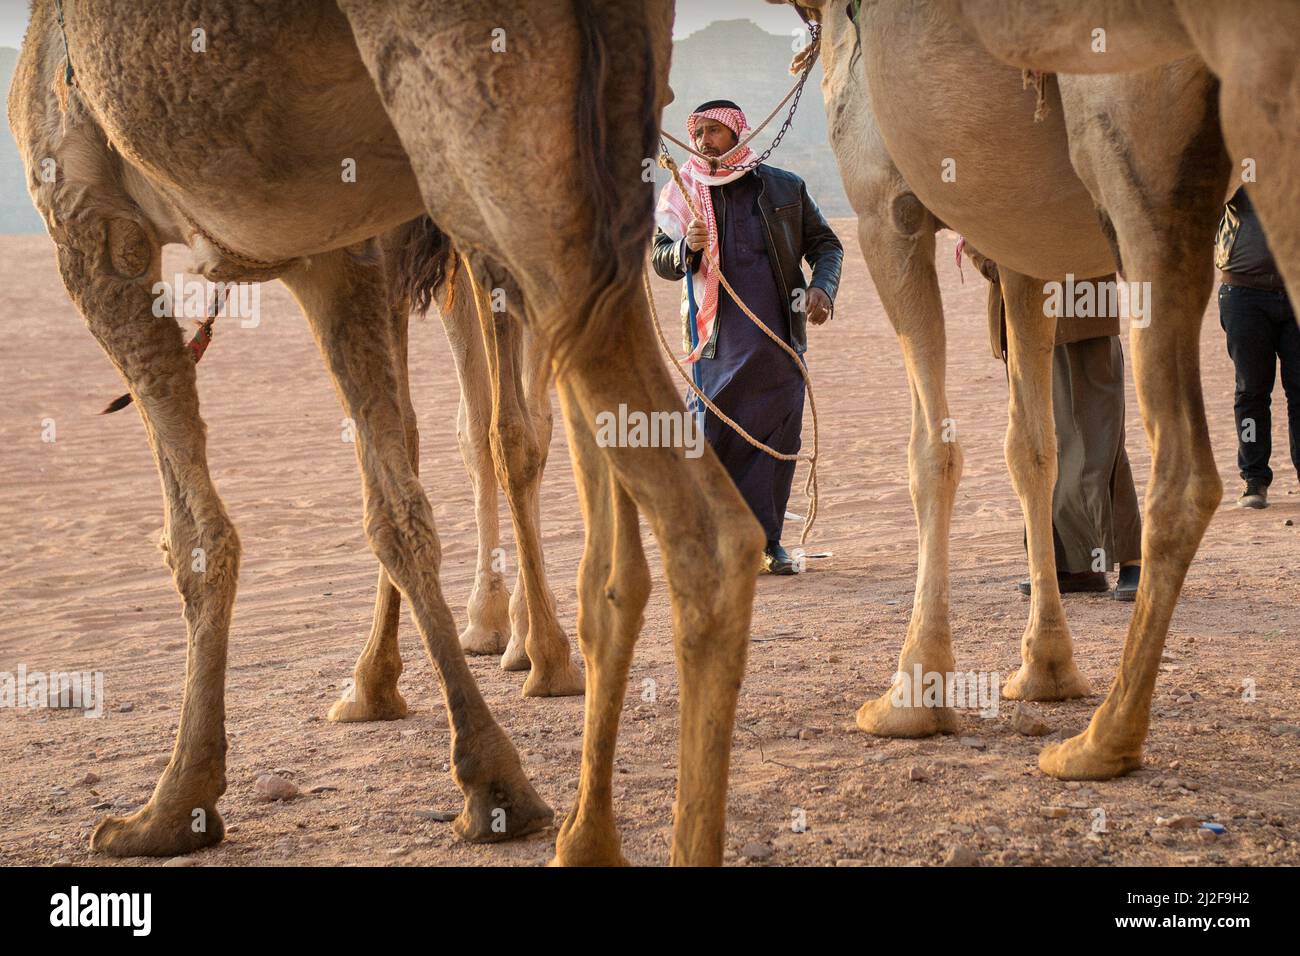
[[511, 456], [1124, 171], [505, 123]]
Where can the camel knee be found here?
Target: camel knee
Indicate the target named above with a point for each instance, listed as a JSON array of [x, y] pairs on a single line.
[[518, 454], [206, 557], [401, 533], [936, 464], [1029, 452]]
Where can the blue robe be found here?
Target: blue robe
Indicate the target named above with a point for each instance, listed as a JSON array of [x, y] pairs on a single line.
[[750, 377]]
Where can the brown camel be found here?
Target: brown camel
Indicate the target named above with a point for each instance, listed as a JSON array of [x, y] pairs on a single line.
[[497, 623], [1122, 171], [224, 126]]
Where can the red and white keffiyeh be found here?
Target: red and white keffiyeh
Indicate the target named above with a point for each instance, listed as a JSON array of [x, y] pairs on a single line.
[[672, 215]]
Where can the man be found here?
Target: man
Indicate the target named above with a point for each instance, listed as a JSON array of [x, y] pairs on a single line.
[[1260, 324], [1096, 524], [758, 225]]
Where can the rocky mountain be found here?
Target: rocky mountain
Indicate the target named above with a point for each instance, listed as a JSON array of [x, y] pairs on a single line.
[[736, 60]]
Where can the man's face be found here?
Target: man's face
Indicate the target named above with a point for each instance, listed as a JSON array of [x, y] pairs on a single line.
[[713, 138]]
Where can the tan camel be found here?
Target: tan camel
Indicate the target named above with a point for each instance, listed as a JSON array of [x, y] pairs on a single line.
[[1249, 104], [1249, 45], [504, 122], [1125, 170], [497, 623]]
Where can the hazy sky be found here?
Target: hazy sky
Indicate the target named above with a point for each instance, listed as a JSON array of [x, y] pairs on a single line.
[[692, 15], [13, 22]]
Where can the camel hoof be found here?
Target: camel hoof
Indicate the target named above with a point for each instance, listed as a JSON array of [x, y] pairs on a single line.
[[369, 706], [1079, 759], [590, 845], [567, 682], [883, 718], [148, 833], [1047, 682], [515, 657], [501, 811], [477, 639]]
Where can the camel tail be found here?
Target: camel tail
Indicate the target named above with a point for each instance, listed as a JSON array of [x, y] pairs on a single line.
[[422, 260], [616, 91]]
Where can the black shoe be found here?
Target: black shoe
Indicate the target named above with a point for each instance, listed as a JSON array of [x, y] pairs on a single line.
[[1126, 585], [1255, 495], [776, 560], [1068, 582]]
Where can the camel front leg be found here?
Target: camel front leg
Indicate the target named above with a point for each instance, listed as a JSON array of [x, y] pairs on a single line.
[[897, 241], [488, 628], [374, 694], [1047, 670], [519, 459], [613, 586], [344, 299]]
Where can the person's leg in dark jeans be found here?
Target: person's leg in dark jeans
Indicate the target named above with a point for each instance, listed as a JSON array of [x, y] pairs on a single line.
[[1288, 351], [1246, 317]]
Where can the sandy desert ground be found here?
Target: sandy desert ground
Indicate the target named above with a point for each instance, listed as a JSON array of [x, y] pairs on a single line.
[[83, 586]]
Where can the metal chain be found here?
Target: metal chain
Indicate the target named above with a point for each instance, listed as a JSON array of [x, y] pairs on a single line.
[[814, 29]]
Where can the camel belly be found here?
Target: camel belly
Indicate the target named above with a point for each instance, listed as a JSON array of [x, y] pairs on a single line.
[[265, 129], [961, 130]]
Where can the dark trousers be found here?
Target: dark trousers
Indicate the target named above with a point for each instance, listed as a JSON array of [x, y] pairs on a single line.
[[1261, 330]]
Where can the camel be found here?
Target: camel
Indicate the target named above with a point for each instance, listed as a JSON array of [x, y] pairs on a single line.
[[1124, 171], [224, 128], [497, 624], [1249, 46]]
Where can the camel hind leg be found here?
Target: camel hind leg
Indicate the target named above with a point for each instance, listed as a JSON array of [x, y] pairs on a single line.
[[373, 694], [535, 383], [488, 628], [1047, 669], [1164, 204], [519, 458], [343, 297]]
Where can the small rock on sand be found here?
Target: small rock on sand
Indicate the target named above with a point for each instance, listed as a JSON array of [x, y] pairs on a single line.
[[1027, 723], [1054, 813], [1183, 821], [756, 851], [916, 774], [270, 786], [961, 856]]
